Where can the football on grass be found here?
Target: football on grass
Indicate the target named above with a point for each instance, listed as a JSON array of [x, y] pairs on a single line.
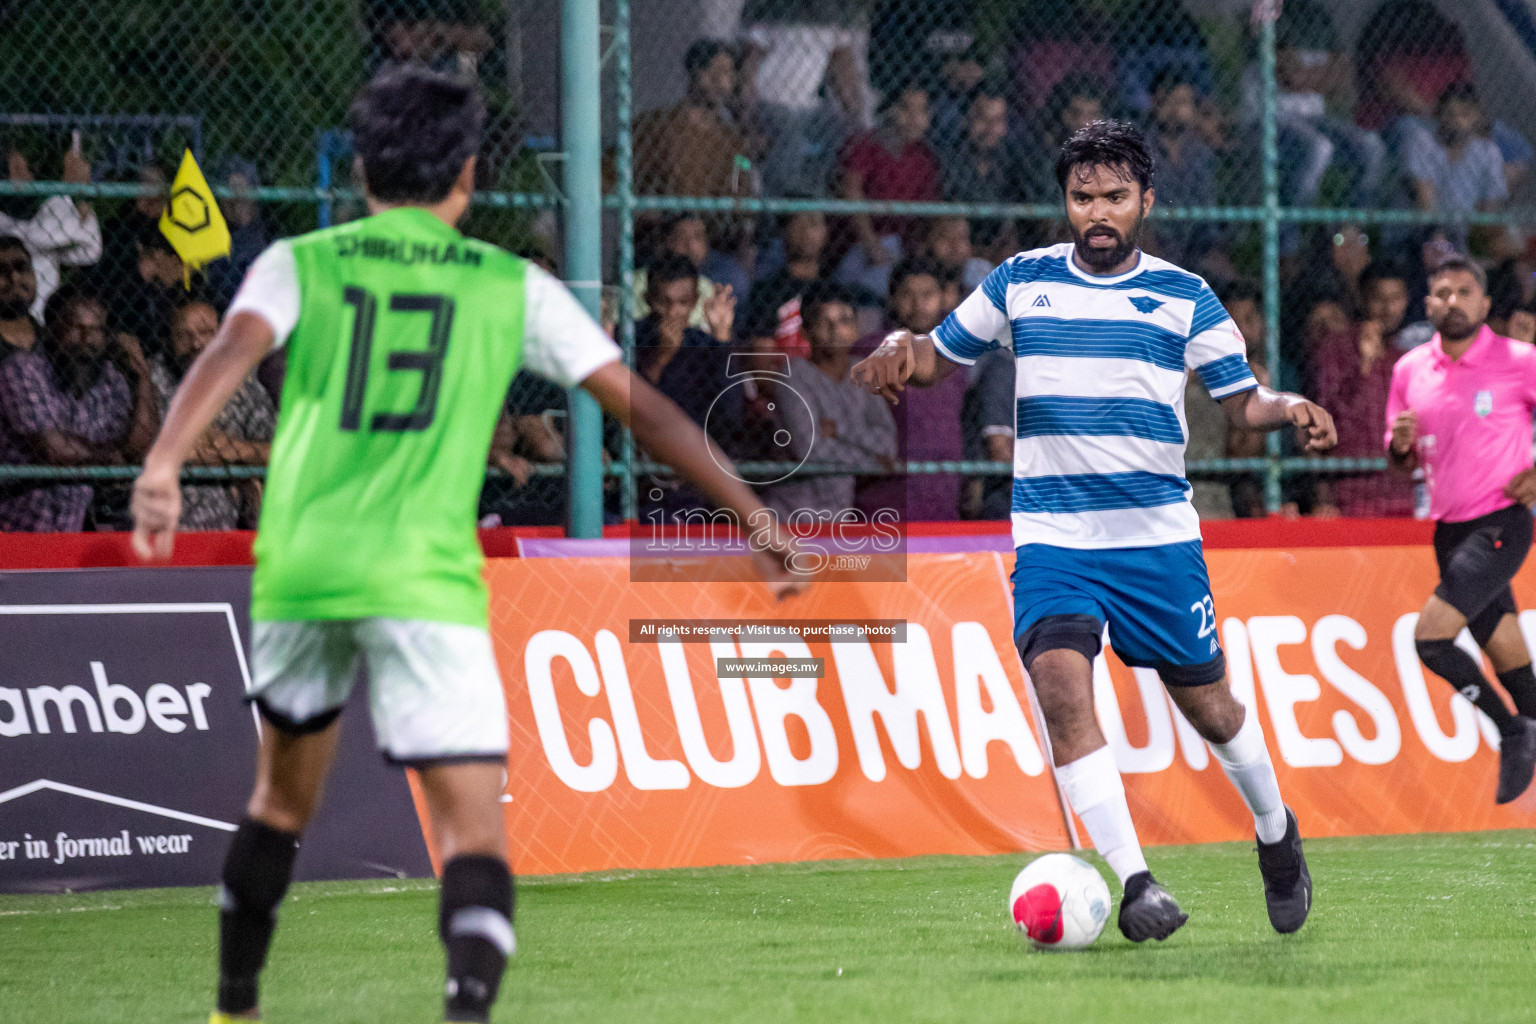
[[1060, 902]]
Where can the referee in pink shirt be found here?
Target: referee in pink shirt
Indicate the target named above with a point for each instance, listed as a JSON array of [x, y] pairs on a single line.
[[1460, 408]]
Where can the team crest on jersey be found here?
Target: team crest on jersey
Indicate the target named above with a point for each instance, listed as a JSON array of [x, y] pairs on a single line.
[[1041, 300], [1483, 403], [1145, 303]]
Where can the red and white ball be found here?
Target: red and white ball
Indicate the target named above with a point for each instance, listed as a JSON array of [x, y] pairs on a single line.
[[1060, 902]]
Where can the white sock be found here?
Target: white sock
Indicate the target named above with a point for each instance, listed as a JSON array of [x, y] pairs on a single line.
[[1093, 789], [1246, 761]]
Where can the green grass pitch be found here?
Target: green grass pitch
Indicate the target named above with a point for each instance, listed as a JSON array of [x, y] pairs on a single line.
[[1430, 928]]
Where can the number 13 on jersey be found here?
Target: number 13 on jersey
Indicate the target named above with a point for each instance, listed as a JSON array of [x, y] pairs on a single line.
[[427, 362]]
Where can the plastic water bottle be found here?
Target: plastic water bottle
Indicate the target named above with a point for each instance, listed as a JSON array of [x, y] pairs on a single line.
[[1420, 495]]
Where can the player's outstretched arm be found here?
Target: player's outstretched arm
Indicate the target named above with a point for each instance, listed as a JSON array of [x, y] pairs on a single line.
[[242, 342], [666, 432], [902, 358], [1263, 409]]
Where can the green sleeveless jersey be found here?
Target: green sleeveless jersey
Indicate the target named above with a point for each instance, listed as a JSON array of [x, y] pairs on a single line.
[[406, 339]]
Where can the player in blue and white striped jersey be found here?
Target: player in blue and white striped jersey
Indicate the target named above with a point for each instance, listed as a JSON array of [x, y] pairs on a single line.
[[1105, 337]]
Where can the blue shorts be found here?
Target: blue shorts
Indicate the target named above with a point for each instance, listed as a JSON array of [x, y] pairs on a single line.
[[1155, 600]]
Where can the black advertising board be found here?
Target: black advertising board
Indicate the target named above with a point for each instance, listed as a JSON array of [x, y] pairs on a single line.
[[127, 751]]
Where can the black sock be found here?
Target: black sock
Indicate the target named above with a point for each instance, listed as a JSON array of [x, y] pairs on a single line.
[[256, 873], [1520, 683], [1456, 667], [475, 922]]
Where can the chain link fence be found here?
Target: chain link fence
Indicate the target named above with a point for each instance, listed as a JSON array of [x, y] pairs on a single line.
[[782, 177]]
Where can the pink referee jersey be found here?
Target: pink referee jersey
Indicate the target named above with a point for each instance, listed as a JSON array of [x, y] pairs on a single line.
[[1474, 420]]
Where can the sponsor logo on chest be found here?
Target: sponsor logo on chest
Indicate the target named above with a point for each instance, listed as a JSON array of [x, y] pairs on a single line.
[[1482, 403]]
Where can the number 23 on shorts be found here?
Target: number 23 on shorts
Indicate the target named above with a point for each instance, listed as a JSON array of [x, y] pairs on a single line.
[[1206, 609]]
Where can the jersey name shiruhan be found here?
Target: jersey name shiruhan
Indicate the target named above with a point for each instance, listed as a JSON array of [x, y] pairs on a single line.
[[1100, 429]]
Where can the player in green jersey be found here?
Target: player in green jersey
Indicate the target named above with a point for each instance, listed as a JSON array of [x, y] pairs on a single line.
[[402, 337]]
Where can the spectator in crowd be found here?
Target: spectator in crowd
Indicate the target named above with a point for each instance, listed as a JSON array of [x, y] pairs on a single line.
[[1054, 41], [1330, 270], [141, 304], [1244, 303], [694, 148], [927, 419], [1207, 427], [835, 420], [1186, 169], [1384, 300], [1451, 168], [1512, 300], [801, 147], [987, 426], [241, 435], [63, 232], [19, 330], [445, 35], [247, 232], [915, 44], [531, 432], [773, 317], [120, 233], [1408, 54], [81, 397], [985, 166], [949, 245], [1077, 100], [1353, 374], [686, 364], [893, 162], [1315, 114], [1156, 38], [960, 79], [684, 234]]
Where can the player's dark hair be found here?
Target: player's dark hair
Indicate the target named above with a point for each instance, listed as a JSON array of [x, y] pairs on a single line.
[[1239, 290], [1452, 264], [667, 268], [1118, 145], [413, 128], [915, 266], [820, 295], [9, 242]]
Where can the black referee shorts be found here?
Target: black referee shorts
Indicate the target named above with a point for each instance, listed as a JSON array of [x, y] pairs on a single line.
[[1477, 560]]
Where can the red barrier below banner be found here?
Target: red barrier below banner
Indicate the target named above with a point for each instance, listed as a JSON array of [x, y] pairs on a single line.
[[111, 550]]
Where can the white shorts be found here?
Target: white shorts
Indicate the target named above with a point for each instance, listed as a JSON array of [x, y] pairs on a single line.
[[434, 691]]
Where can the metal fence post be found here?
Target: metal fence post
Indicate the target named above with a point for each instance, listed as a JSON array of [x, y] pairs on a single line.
[[624, 165], [1266, 11], [581, 139]]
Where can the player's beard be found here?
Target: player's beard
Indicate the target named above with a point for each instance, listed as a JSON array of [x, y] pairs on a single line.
[[1456, 326], [1104, 260]]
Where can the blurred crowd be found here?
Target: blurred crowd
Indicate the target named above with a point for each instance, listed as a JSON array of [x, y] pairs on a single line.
[[751, 323]]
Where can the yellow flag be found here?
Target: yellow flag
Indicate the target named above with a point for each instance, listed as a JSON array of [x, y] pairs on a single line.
[[192, 221]]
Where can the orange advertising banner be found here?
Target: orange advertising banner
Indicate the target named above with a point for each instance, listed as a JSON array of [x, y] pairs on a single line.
[[640, 754], [1365, 740], [637, 755]]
